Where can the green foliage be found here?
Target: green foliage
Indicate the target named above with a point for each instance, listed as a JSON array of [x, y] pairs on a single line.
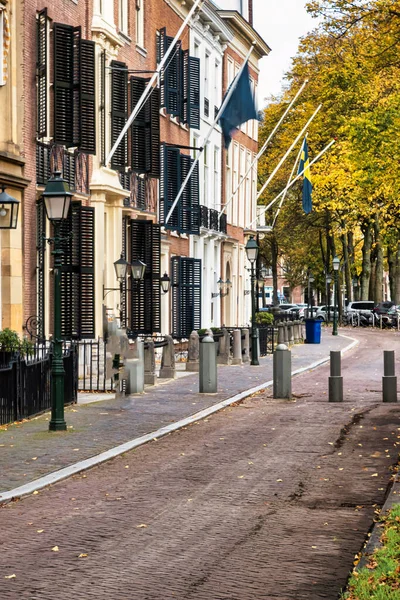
[[264, 318], [10, 342], [380, 580]]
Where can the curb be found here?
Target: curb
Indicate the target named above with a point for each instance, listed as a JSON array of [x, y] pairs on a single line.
[[79, 467], [374, 540]]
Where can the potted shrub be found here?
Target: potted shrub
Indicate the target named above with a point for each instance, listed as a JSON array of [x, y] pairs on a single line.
[[264, 318], [11, 345]]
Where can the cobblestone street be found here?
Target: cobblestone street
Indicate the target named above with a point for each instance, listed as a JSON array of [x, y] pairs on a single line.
[[264, 500]]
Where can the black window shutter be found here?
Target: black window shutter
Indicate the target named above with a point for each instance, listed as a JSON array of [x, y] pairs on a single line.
[[173, 79], [146, 294], [63, 84], [41, 73], [170, 180], [119, 112], [191, 90], [76, 89], [189, 201], [153, 142], [161, 49], [40, 267], [77, 274], [88, 97], [186, 295], [145, 138], [103, 107], [138, 127]]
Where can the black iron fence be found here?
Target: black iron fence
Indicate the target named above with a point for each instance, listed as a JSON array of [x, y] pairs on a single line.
[[25, 383], [266, 336]]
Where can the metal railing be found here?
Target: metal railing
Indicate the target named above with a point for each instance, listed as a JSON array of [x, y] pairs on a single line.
[[25, 383], [266, 336], [74, 166], [204, 217]]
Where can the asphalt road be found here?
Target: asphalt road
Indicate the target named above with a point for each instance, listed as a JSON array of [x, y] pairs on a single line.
[[265, 500]]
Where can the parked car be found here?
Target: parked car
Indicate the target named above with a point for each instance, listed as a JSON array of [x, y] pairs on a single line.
[[322, 313], [382, 308], [363, 308]]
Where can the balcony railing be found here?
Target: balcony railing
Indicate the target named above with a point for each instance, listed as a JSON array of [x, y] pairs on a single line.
[[74, 166], [142, 191], [223, 223], [214, 219], [204, 217], [206, 107]]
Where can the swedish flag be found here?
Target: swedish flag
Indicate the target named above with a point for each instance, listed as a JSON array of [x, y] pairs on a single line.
[[307, 185]]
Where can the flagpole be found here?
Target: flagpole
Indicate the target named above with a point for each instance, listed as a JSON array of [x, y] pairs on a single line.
[[149, 86], [203, 145], [278, 166], [288, 181], [291, 183], [263, 149]]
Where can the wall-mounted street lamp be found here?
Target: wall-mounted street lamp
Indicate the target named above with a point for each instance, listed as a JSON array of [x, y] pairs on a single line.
[[57, 200], [8, 210], [165, 283], [252, 254], [336, 266], [121, 266], [222, 291]]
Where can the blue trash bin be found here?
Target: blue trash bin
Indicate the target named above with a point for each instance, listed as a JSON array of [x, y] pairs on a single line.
[[313, 331]]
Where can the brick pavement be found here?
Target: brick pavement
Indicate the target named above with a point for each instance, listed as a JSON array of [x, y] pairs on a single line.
[[28, 451], [264, 500]]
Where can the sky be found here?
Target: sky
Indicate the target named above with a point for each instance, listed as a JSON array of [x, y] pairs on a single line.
[[280, 23]]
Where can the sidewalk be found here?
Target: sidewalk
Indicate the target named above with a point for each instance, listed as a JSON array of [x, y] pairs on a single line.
[[28, 451]]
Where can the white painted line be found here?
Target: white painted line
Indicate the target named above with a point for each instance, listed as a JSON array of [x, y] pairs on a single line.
[[89, 463]]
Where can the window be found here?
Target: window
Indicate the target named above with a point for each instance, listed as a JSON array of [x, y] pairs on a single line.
[[145, 130], [179, 81], [119, 112], [205, 174], [145, 297], [217, 94], [186, 295], [230, 72], [217, 188], [74, 88], [228, 187], [123, 16], [235, 182], [4, 45], [242, 190], [140, 23], [206, 85], [174, 169]]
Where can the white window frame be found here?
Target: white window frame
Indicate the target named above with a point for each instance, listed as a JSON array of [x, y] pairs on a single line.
[[123, 16], [140, 23]]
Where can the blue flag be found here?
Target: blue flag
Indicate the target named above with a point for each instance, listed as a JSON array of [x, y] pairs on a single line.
[[307, 185], [240, 107]]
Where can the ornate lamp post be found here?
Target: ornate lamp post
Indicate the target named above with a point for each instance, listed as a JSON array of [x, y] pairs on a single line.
[[57, 201], [252, 253], [336, 265], [165, 283], [8, 210], [328, 279]]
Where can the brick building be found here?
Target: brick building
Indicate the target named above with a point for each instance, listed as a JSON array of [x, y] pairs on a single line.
[[85, 66]]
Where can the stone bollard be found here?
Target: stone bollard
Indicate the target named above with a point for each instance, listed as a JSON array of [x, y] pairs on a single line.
[[245, 346], [389, 379], [208, 366], [167, 370], [281, 333], [134, 369], [290, 333], [335, 379], [224, 354], [296, 331], [286, 332], [193, 353], [150, 375], [282, 369], [237, 347]]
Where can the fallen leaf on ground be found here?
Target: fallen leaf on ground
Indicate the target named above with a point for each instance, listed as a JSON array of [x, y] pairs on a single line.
[[141, 526], [55, 548], [82, 555], [313, 547], [126, 466], [34, 458], [40, 531], [13, 576], [374, 475], [240, 476], [279, 480], [35, 492]]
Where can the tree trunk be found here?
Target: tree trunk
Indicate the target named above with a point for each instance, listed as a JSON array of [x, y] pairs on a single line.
[[378, 295], [391, 258], [347, 272], [274, 268], [397, 283], [366, 260]]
